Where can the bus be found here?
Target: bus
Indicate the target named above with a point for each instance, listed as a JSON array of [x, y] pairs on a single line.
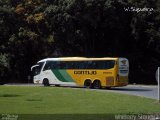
[[81, 71]]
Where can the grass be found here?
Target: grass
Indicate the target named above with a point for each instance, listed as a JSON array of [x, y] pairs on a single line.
[[66, 103]]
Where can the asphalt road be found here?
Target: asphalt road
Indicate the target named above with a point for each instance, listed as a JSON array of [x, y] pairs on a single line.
[[149, 91], [138, 90]]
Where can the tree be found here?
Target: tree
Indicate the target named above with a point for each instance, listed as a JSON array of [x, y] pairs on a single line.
[[31, 30]]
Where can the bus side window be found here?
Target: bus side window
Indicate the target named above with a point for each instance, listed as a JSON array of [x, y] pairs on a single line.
[[46, 66], [112, 63], [89, 65], [82, 64], [78, 65], [69, 65], [55, 65], [95, 65], [62, 65], [73, 65], [109, 64]]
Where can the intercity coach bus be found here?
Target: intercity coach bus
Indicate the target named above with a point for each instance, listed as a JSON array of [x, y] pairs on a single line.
[[81, 71]]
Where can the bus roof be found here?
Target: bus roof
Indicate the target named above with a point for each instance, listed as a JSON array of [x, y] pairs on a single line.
[[76, 59]]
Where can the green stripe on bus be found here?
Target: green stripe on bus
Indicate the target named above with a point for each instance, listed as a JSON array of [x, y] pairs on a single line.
[[62, 75], [66, 76], [58, 75]]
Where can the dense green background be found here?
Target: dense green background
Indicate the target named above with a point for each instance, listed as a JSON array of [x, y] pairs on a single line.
[[31, 30]]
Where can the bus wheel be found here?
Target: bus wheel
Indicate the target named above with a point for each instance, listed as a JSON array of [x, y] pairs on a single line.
[[88, 83], [96, 84], [108, 88], [46, 82]]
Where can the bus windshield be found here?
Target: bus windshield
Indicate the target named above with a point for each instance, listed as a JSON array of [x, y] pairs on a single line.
[[37, 68]]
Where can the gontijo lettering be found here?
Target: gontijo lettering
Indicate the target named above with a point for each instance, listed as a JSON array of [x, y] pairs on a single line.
[[85, 72]]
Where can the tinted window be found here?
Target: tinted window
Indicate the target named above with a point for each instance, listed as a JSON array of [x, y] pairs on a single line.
[[36, 70], [52, 65], [79, 64]]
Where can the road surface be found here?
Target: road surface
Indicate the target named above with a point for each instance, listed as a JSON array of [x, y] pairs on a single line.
[[138, 90], [149, 91]]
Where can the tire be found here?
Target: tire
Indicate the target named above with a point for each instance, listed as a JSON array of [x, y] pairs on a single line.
[[46, 82], [108, 88], [88, 83], [96, 84]]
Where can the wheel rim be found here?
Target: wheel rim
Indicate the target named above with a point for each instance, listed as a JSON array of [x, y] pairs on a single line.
[[46, 83], [97, 85], [87, 84]]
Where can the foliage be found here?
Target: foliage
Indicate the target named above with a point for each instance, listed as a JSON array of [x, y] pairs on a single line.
[[4, 64], [34, 29]]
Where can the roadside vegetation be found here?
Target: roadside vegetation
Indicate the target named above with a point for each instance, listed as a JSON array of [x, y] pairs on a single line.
[[38, 102]]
